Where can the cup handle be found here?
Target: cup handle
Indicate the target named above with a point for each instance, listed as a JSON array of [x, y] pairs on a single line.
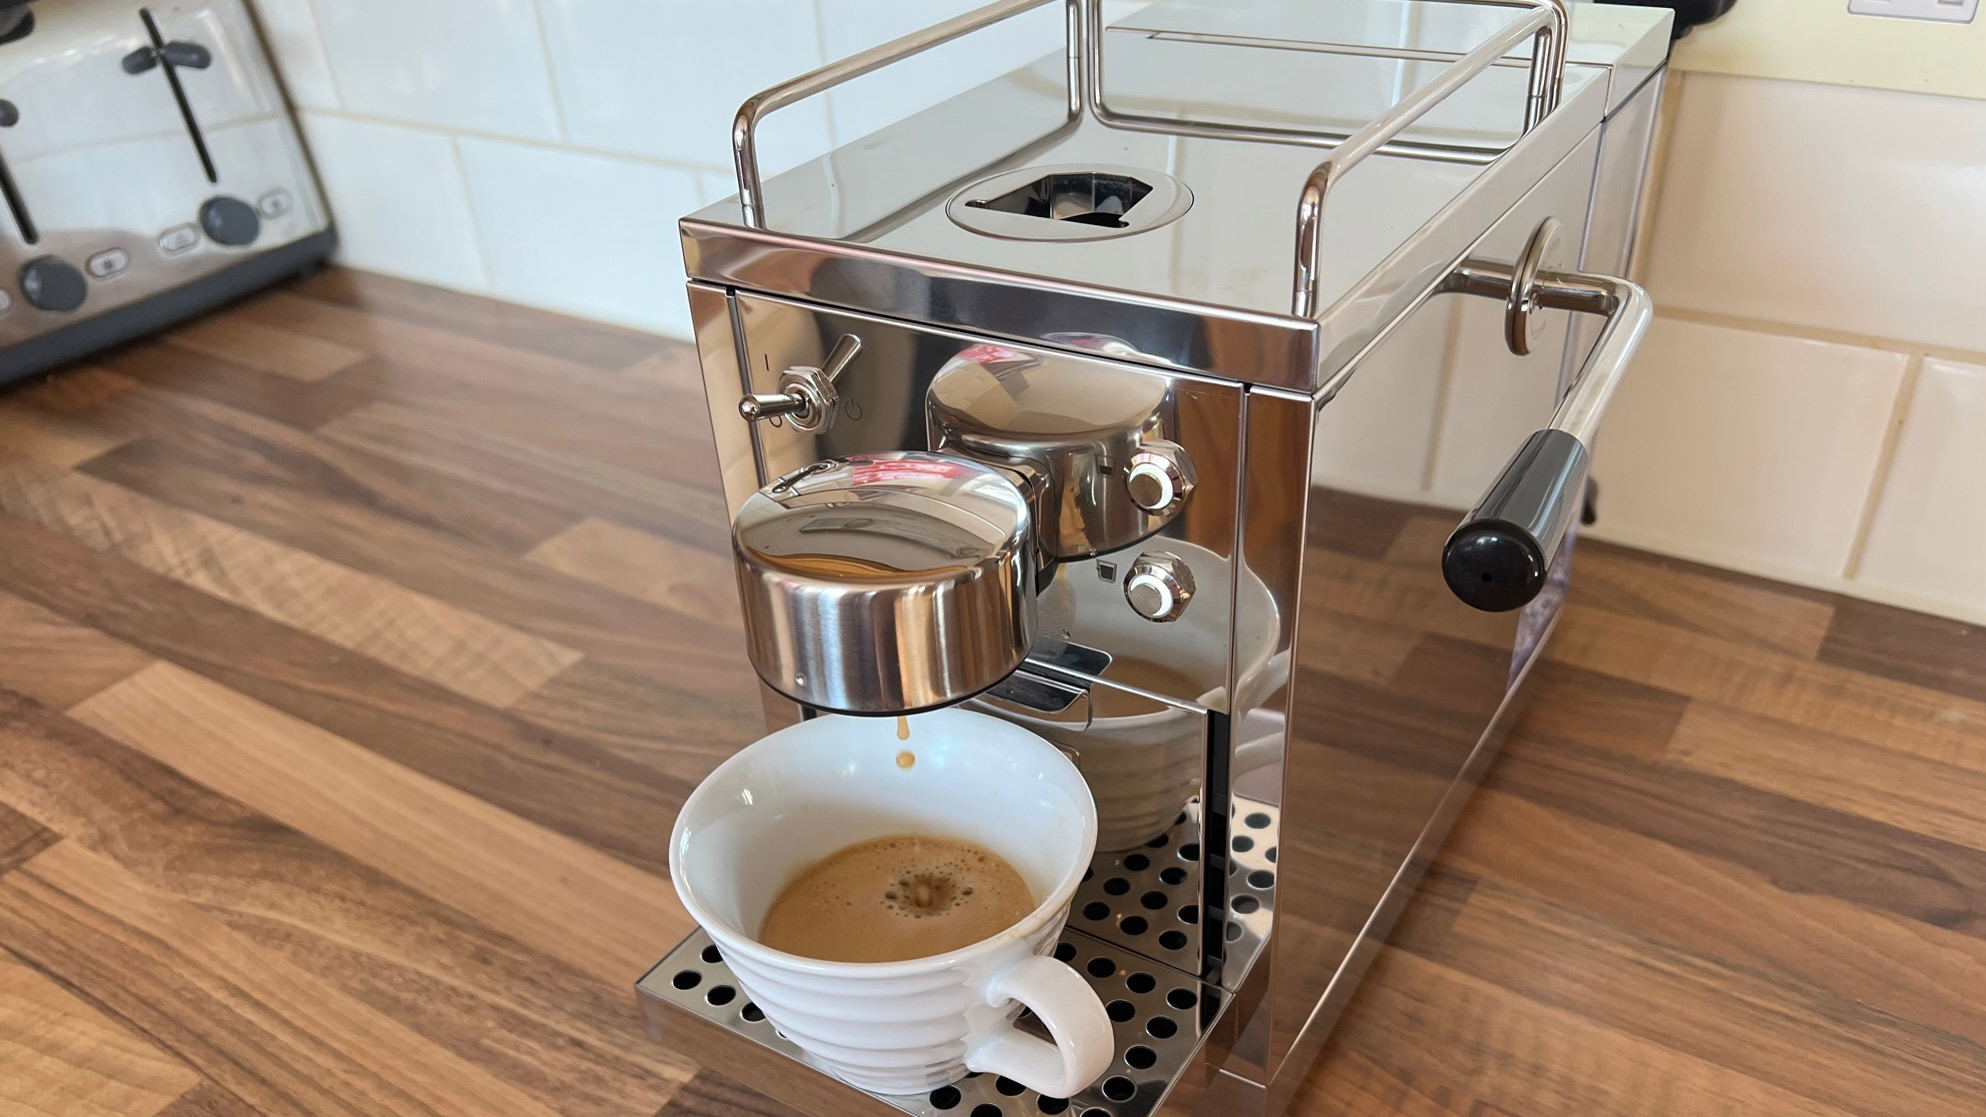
[[1063, 1001]]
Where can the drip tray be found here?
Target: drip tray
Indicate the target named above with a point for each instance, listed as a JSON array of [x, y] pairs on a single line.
[[1148, 899], [1161, 1018]]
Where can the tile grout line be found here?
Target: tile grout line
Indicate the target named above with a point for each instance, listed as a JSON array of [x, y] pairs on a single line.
[[684, 165], [1822, 334], [324, 50], [475, 222], [820, 45], [551, 72], [1906, 391]]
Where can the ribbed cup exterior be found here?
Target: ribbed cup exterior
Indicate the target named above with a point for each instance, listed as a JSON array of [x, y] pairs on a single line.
[[893, 1035]]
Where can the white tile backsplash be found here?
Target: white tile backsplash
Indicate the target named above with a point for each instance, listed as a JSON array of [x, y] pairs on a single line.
[[290, 26], [663, 79], [1928, 538], [469, 65], [1742, 448], [1822, 206], [586, 234], [398, 199], [715, 186]]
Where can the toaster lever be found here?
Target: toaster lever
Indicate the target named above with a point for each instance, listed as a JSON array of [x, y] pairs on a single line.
[[192, 56], [179, 52]]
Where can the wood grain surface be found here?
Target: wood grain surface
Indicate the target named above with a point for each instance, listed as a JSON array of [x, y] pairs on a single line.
[[358, 644]]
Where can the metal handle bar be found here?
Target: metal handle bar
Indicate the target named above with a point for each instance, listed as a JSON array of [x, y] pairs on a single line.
[[1546, 23], [1315, 137], [744, 127], [1500, 557]]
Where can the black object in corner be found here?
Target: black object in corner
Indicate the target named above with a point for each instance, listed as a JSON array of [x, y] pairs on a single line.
[[1689, 13]]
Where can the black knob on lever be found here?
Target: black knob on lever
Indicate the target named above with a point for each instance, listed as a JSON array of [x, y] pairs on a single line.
[[191, 56], [1501, 556], [180, 53]]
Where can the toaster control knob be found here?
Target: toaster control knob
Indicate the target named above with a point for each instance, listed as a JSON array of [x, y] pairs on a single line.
[[1160, 477], [230, 221], [52, 283], [1159, 586]]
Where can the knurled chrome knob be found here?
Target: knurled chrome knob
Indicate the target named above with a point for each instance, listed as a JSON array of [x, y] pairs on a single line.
[[1160, 477], [1159, 586]]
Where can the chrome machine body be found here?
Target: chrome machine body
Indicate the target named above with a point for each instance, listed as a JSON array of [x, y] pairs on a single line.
[[1137, 396], [149, 168]]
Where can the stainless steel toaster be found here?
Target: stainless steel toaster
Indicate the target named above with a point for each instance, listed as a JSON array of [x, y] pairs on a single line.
[[150, 170]]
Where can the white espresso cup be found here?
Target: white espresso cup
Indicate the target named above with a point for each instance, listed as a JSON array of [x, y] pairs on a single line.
[[815, 788]]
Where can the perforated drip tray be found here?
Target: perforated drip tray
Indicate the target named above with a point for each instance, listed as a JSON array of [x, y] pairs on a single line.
[[1160, 1018], [1148, 899]]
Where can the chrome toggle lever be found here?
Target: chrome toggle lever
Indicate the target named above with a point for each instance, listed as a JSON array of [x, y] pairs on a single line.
[[806, 395]]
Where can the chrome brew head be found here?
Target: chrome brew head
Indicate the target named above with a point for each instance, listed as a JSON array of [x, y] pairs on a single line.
[[885, 583]]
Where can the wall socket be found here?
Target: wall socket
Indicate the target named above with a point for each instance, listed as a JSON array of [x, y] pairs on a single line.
[[1943, 11]]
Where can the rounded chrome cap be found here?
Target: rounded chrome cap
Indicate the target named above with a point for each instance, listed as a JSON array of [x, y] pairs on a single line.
[[886, 583], [1077, 430]]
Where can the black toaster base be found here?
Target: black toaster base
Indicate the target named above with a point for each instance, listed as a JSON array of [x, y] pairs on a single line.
[[132, 320]]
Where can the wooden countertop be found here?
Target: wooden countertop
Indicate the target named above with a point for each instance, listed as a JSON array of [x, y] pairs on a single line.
[[357, 645]]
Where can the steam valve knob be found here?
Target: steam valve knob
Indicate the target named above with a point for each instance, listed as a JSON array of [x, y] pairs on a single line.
[[1160, 477], [1159, 586]]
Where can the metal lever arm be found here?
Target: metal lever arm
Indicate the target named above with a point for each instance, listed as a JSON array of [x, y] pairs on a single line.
[[1501, 555], [191, 56], [806, 394]]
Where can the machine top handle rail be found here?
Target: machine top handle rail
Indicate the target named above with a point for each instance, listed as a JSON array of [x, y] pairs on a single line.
[[1546, 23], [744, 127]]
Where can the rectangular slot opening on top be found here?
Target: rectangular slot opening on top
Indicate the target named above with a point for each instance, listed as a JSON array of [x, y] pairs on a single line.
[[1086, 197]]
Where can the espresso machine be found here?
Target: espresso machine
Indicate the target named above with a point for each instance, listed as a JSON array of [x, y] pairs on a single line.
[[1211, 395]]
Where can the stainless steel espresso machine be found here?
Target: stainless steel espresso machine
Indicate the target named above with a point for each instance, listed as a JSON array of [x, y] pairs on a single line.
[[1211, 395]]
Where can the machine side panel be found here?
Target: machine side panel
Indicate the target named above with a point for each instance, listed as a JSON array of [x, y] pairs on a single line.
[[1394, 682]]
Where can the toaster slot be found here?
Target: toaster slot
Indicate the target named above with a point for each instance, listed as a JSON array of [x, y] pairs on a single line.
[[170, 56]]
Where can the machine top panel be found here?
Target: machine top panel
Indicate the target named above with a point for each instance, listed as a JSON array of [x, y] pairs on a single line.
[[1009, 210]]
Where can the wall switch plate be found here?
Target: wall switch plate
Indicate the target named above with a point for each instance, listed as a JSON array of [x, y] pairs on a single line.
[[1944, 11]]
